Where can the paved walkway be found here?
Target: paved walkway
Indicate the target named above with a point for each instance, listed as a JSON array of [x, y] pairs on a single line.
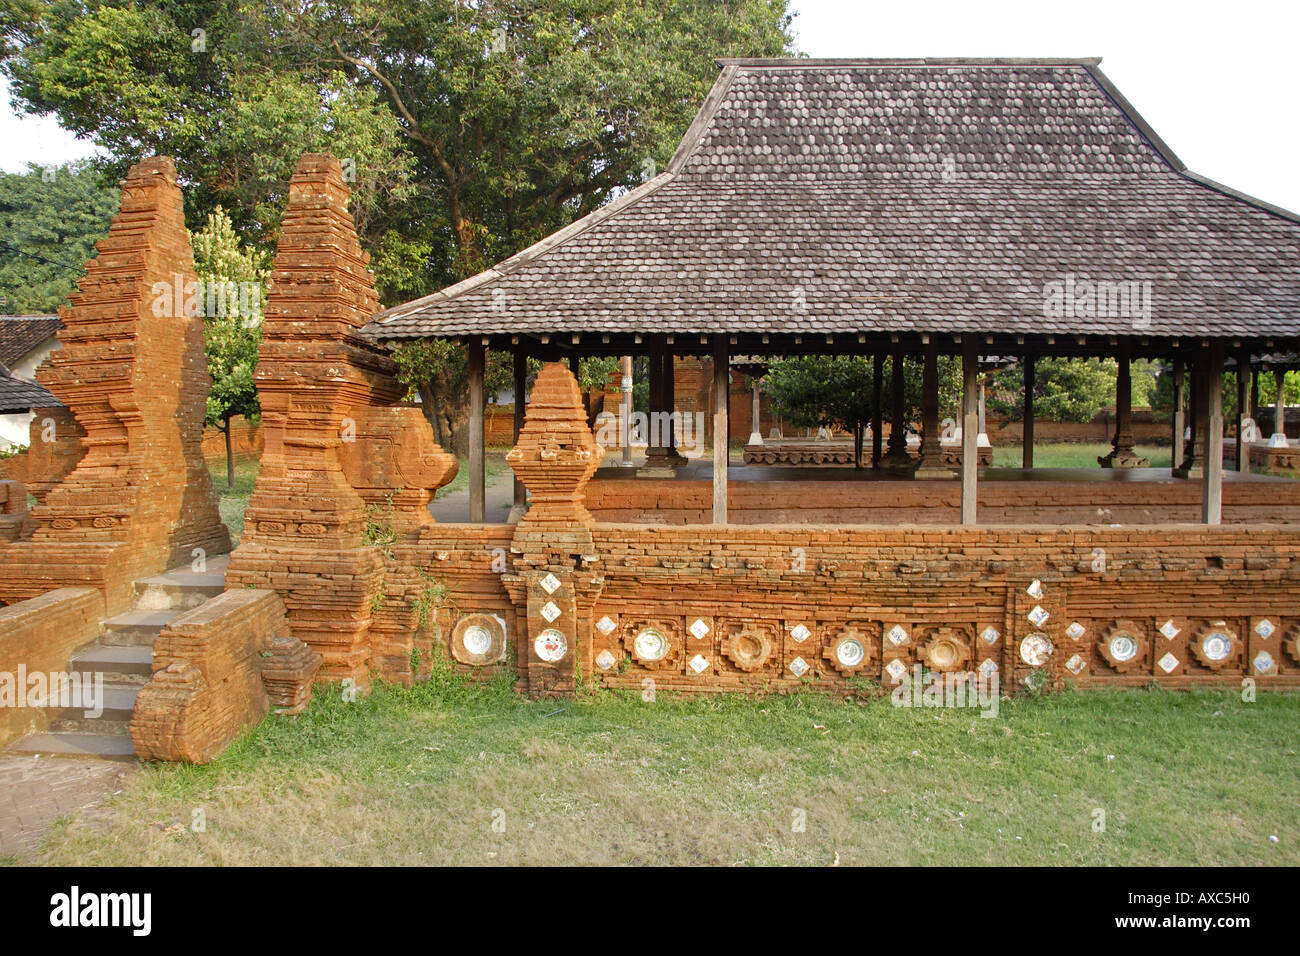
[[36, 791]]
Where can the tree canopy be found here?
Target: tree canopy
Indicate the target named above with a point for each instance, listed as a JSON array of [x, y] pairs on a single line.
[[50, 219]]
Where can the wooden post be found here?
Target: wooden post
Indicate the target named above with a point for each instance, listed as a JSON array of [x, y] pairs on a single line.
[[721, 362], [656, 451], [1278, 440], [521, 385], [1027, 434], [627, 384], [477, 461], [1122, 453], [1212, 492], [1180, 419], [930, 463], [970, 425], [898, 460], [877, 413], [1243, 411]]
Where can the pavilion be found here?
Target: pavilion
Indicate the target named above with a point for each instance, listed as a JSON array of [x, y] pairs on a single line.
[[901, 208]]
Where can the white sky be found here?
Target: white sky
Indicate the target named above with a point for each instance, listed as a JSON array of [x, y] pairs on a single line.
[[1218, 82]]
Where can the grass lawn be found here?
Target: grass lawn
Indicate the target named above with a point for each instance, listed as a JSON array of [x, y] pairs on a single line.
[[421, 775], [234, 501], [1074, 455]]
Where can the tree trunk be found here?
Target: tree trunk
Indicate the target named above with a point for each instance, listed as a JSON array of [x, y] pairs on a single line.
[[857, 445], [447, 410], [230, 459]]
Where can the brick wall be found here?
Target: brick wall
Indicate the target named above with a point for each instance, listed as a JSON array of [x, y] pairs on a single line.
[[41, 633]]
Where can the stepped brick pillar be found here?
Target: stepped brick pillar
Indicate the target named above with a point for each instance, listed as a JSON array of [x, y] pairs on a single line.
[[555, 578], [133, 373], [305, 530]]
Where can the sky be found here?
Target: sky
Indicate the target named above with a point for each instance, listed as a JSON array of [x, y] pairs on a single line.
[[1218, 82]]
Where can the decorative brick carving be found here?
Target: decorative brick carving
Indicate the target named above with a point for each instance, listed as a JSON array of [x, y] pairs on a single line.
[[556, 454], [555, 567], [390, 457], [132, 371]]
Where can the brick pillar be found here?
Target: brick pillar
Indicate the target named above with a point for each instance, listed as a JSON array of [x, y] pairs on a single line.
[[133, 372], [305, 528], [555, 578]]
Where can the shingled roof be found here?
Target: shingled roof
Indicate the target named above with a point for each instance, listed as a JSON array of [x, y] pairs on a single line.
[[19, 334], [17, 395], [815, 198]]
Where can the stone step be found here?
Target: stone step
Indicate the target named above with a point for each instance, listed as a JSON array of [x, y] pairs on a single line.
[[95, 746], [124, 664], [180, 589], [115, 717], [138, 628]]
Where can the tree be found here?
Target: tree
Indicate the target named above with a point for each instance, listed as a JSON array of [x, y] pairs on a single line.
[[810, 391], [474, 128], [232, 283], [196, 81], [50, 220], [1065, 389]]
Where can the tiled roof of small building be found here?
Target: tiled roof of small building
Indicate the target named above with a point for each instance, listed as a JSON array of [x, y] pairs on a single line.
[[19, 334], [834, 197], [17, 395]]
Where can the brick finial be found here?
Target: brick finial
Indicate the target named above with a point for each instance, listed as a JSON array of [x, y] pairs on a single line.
[[133, 372], [556, 454], [317, 378]]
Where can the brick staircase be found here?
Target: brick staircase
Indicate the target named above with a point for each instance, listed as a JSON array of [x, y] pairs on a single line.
[[123, 653]]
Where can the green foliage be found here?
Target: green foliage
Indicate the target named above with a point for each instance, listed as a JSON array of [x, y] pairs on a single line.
[[813, 390], [235, 105], [233, 278], [1065, 389], [49, 222], [474, 129], [809, 391]]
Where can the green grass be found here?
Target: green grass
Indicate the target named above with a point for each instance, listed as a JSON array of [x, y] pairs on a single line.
[[1074, 455], [234, 501], [420, 775]]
